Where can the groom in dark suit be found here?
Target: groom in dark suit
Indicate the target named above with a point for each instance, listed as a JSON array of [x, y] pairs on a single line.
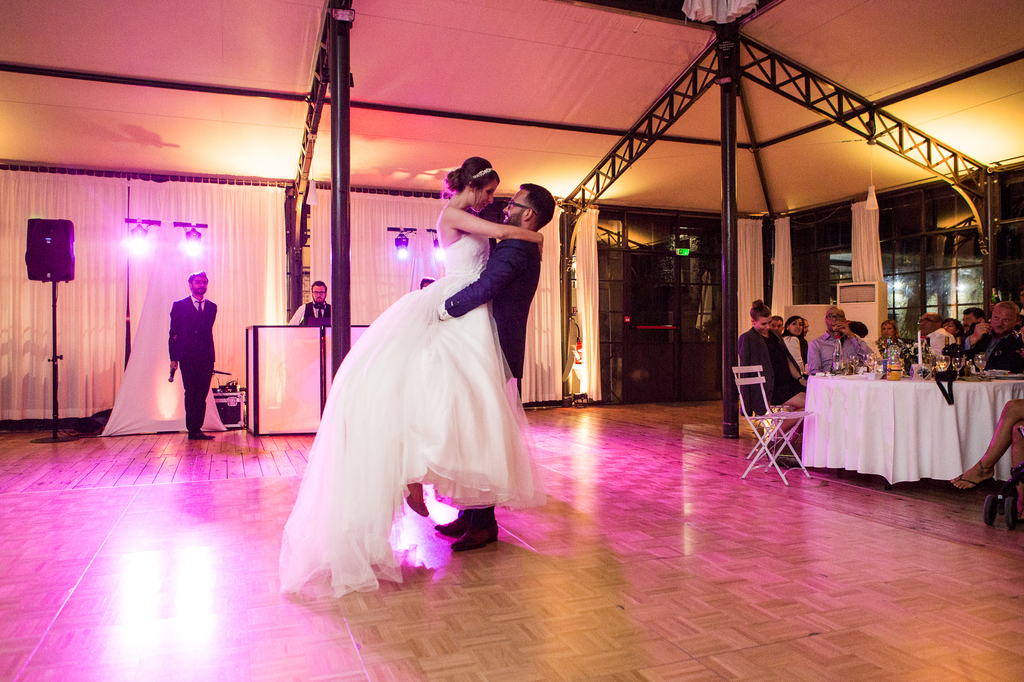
[[509, 281], [190, 344]]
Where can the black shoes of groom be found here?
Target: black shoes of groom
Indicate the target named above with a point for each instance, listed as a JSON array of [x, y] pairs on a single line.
[[475, 528], [199, 436]]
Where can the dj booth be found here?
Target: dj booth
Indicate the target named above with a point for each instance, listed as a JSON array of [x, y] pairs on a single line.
[[288, 372]]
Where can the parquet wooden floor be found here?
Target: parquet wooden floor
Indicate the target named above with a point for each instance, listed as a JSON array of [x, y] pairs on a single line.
[[155, 558]]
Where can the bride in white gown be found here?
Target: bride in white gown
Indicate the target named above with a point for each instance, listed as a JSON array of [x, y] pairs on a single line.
[[417, 400]]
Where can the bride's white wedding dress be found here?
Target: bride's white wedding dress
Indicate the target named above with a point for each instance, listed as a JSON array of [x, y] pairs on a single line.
[[417, 399]]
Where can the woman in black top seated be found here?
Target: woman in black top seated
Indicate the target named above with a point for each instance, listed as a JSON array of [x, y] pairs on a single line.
[[795, 338], [761, 346]]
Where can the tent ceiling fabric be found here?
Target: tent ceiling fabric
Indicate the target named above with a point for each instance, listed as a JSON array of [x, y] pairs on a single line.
[[535, 60]]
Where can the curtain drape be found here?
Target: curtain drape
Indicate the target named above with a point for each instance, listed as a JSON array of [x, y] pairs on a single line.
[[242, 253], [866, 246], [750, 275], [90, 309], [379, 278], [587, 296], [782, 275], [542, 370], [719, 11]]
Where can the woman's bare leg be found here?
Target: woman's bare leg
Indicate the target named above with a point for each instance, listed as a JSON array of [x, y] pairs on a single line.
[[1013, 412], [1017, 455]]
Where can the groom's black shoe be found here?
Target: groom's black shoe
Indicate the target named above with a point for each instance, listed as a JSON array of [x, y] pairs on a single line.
[[458, 527], [476, 538], [199, 436]]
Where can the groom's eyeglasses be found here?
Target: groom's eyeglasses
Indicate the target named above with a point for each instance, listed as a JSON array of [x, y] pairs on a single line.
[[522, 206]]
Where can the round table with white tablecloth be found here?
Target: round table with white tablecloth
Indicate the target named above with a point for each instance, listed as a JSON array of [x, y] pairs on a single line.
[[903, 430]]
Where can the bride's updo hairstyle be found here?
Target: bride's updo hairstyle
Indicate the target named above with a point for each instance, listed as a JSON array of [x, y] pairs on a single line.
[[475, 172]]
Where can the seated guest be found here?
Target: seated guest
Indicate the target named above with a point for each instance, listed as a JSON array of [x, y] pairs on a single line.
[[762, 346], [953, 326], [931, 329], [972, 316], [1002, 348], [821, 349], [1007, 433], [795, 339], [776, 324]]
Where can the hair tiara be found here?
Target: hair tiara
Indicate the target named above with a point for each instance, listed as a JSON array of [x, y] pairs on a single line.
[[482, 173]]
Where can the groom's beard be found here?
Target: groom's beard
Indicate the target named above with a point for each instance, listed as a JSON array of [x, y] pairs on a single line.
[[515, 219]]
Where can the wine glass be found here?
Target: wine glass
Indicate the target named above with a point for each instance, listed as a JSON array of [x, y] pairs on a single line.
[[979, 362], [941, 363]]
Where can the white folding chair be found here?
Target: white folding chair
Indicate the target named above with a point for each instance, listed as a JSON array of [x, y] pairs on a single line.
[[772, 438]]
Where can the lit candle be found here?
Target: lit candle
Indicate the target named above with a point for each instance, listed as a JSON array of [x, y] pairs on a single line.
[[920, 350]]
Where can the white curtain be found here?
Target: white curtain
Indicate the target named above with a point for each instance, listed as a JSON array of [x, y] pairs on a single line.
[[750, 275], [782, 276], [146, 402], [587, 296], [242, 253], [718, 11], [866, 246], [379, 278], [542, 370], [90, 309]]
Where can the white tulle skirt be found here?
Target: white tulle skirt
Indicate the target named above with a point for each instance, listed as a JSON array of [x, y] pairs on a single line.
[[416, 400]]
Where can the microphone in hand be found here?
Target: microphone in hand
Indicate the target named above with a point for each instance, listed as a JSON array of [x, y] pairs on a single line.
[[170, 379]]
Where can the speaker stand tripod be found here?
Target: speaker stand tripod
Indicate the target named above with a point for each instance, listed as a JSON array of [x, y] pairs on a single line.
[[55, 438]]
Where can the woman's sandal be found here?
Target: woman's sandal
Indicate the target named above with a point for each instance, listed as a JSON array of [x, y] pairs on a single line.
[[971, 485]]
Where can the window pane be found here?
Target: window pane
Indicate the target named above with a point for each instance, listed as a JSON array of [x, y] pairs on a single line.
[[907, 257], [952, 250], [609, 233], [969, 287], [651, 231], [939, 289], [904, 291]]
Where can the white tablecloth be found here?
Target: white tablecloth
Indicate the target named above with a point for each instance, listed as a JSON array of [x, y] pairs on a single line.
[[903, 430]]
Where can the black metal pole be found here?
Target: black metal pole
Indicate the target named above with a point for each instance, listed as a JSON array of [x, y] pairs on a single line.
[[341, 268], [728, 74], [54, 360]]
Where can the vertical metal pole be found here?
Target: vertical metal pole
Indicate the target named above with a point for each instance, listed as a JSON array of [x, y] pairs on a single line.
[[55, 359], [728, 74], [993, 212], [341, 158]]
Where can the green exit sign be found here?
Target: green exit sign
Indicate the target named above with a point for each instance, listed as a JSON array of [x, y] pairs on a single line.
[[683, 252]]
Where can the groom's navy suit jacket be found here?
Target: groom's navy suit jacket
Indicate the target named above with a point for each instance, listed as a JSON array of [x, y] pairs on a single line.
[[191, 333], [509, 280]]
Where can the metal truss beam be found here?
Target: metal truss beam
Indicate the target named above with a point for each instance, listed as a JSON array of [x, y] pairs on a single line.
[[315, 106], [677, 99], [860, 116]]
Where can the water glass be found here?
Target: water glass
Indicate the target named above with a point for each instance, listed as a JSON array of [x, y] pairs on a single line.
[[979, 362], [941, 363]]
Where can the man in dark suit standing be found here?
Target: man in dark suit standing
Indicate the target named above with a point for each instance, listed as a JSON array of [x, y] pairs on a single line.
[[318, 311], [509, 282], [190, 345]]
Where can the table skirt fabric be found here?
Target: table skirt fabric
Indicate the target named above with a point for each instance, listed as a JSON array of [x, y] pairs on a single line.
[[903, 430]]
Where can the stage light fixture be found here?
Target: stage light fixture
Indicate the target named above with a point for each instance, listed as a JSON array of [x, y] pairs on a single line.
[[438, 251], [402, 241], [192, 246], [402, 245], [138, 230]]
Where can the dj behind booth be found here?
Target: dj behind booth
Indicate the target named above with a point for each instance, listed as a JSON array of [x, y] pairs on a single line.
[[289, 369], [316, 313]]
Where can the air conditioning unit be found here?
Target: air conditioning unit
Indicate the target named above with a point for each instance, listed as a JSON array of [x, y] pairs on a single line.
[[866, 302]]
